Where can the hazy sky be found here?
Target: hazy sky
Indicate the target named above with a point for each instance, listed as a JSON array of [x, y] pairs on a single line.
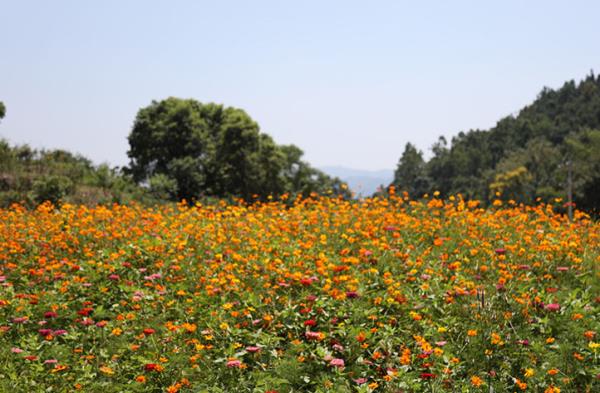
[[350, 82]]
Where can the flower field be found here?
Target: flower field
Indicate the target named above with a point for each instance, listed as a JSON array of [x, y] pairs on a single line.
[[319, 295]]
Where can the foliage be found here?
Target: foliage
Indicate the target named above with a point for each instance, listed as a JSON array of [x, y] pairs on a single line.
[[204, 150], [30, 177], [323, 295], [410, 174], [541, 139]]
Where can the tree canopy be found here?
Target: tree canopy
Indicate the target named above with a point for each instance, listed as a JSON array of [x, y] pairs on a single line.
[[184, 149], [523, 157]]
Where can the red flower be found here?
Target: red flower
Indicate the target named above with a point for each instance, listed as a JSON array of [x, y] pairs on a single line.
[[149, 331], [152, 367], [310, 322], [85, 311], [427, 376]]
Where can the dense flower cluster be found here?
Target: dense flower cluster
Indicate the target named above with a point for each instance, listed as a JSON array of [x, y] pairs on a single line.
[[317, 295]]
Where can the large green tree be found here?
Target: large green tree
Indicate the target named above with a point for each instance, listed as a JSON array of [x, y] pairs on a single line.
[[2, 110], [184, 149]]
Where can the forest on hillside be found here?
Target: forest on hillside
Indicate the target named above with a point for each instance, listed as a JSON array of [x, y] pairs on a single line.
[[523, 158]]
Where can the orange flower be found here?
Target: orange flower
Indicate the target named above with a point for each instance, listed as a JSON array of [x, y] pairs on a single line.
[[476, 381]]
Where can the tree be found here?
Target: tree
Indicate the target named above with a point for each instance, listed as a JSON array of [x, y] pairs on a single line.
[[583, 149], [410, 173], [186, 150], [2, 110]]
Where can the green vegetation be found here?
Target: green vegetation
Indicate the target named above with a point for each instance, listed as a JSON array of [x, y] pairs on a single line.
[[179, 149], [30, 177], [184, 149], [523, 157]]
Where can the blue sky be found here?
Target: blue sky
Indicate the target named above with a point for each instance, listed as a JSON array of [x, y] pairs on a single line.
[[350, 82]]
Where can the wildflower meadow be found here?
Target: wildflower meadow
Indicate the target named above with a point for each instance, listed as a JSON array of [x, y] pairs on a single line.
[[312, 295]]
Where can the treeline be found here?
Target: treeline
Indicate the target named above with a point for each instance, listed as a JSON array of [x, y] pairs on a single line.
[[523, 158], [179, 149], [30, 177]]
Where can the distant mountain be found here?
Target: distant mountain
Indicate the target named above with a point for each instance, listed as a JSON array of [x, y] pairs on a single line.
[[361, 182]]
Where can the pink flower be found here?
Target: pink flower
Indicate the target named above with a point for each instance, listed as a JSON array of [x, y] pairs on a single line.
[[114, 277], [562, 268], [360, 381], [20, 319], [253, 349], [16, 350], [87, 322], [50, 361], [234, 363], [153, 277], [337, 362], [553, 307], [59, 332], [50, 314], [312, 335]]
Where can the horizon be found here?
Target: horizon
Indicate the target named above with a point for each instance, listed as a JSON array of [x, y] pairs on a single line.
[[350, 85]]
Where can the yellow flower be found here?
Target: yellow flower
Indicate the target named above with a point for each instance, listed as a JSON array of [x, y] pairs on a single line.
[[529, 373], [117, 331], [107, 370]]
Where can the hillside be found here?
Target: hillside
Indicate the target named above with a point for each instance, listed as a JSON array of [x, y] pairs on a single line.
[[523, 157]]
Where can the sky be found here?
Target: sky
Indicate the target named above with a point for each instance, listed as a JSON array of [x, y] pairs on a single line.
[[349, 82]]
